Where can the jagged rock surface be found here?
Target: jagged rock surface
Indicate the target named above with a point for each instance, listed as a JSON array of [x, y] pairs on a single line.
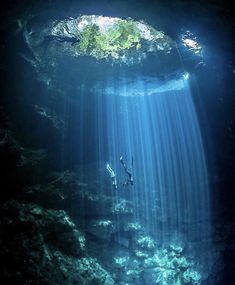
[[45, 247]]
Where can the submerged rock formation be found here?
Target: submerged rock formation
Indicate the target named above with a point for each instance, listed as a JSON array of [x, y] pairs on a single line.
[[45, 247]]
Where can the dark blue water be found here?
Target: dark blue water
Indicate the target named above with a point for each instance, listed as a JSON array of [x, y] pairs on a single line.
[[172, 122]]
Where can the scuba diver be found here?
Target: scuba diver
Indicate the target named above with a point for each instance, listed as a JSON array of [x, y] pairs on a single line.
[[112, 175], [128, 171]]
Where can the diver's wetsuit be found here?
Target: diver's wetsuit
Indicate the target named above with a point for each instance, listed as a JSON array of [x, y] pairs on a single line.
[[128, 172], [112, 175]]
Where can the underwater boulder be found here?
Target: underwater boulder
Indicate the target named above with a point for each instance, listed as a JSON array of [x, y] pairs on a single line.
[[52, 225], [170, 265], [146, 243], [101, 229], [38, 244], [91, 272]]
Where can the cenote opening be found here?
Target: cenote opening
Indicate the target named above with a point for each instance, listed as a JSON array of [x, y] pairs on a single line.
[[117, 143]]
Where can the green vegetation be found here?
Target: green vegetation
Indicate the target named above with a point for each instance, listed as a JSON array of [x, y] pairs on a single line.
[[106, 38], [88, 39], [115, 42]]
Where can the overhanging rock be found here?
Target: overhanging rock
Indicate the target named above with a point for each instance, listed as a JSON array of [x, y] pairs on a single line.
[[77, 45], [114, 39]]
